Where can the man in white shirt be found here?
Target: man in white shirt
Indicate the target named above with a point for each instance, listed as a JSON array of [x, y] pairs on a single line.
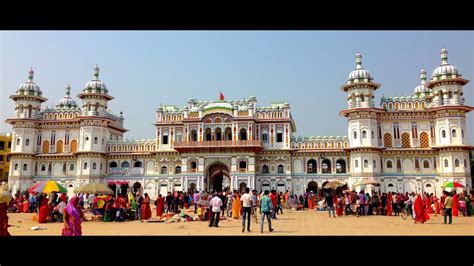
[[215, 206], [246, 201]]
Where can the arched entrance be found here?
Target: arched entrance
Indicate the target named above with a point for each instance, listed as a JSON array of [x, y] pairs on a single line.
[[136, 187], [218, 177], [312, 186]]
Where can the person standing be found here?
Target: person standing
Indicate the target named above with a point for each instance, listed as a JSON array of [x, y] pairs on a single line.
[[420, 210], [91, 201], [246, 201], [455, 207], [362, 203], [146, 210], [448, 205], [223, 198], [169, 203], [266, 207], [160, 206], [395, 204], [389, 203], [215, 205], [43, 210], [274, 204], [139, 202], [236, 207], [72, 218], [6, 199], [468, 205], [330, 204], [196, 200]]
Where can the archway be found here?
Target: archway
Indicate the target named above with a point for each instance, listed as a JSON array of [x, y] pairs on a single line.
[[136, 187], [218, 177], [312, 186], [242, 187]]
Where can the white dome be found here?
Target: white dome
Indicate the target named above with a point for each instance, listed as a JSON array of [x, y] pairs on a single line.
[[67, 101], [218, 105], [422, 87], [445, 70], [29, 87], [95, 84], [359, 74]]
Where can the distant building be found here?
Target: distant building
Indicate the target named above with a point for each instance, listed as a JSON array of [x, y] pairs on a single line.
[[5, 145], [406, 144]]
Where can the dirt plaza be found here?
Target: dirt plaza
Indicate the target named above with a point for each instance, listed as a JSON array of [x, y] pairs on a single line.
[[293, 223]]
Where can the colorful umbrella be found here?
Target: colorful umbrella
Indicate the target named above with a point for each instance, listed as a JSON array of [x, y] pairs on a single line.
[[333, 184], [453, 184], [363, 183], [47, 187], [94, 188]]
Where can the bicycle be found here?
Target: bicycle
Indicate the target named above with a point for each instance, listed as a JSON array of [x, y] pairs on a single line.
[[406, 212]]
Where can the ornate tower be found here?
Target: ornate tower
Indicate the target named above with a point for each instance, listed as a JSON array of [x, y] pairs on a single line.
[[362, 129], [450, 122], [28, 99]]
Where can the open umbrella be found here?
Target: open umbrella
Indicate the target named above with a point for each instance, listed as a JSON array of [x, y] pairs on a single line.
[[94, 188], [453, 184], [333, 184], [363, 183], [47, 187]]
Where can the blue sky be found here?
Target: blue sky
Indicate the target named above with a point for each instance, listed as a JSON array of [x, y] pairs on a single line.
[[305, 68]]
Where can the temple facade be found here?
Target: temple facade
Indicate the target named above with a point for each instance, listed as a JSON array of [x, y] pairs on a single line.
[[405, 144]]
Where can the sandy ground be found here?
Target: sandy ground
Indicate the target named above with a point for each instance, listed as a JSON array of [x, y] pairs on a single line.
[[306, 223]]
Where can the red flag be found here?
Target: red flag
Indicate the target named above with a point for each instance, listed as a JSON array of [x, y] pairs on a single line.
[[221, 96]]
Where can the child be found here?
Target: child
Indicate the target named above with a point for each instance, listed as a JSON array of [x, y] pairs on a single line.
[[199, 213]]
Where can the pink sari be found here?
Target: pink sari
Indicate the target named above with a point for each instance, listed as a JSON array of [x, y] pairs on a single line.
[[72, 219]]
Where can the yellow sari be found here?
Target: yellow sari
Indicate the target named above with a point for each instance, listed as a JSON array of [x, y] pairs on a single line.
[[236, 208]]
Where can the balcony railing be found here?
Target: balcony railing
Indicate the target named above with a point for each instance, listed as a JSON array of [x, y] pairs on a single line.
[[126, 171], [223, 143]]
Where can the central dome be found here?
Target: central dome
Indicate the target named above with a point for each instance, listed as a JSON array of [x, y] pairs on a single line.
[[359, 74], [218, 105], [67, 101]]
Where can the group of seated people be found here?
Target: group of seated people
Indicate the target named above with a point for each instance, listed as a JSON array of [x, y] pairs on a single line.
[[113, 209]]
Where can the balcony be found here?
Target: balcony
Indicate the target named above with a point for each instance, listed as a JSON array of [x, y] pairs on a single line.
[[240, 145], [126, 171]]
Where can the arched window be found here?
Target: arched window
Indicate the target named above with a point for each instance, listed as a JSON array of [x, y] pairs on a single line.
[[218, 134], [265, 137], [18, 141], [194, 135], [340, 166], [446, 163], [372, 135], [138, 164], [326, 166], [164, 170], [228, 133], [242, 165], [355, 134], [364, 134], [94, 166], [280, 169], [208, 135], [356, 163], [443, 134], [25, 167], [193, 166], [243, 134], [387, 140], [85, 166], [125, 164], [265, 169], [27, 142], [366, 163], [426, 164], [96, 140], [16, 166], [453, 133], [389, 164], [456, 163], [113, 164], [373, 164], [73, 145], [87, 138], [71, 167], [43, 167], [177, 170], [311, 166]]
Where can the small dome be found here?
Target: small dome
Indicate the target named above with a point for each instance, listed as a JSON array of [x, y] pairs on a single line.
[[194, 109], [422, 87], [29, 87], [95, 85], [359, 74], [218, 105], [445, 70], [67, 101]]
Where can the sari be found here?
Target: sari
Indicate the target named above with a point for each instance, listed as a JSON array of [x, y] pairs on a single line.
[[468, 206], [4, 219], [420, 210], [389, 204], [236, 208], [160, 206], [26, 205], [43, 211], [429, 210], [146, 210], [310, 202], [436, 205], [338, 203], [455, 205], [72, 219]]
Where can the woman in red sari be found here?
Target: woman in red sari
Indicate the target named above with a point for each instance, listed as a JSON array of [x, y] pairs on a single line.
[[26, 205], [420, 211], [160, 206], [436, 205], [310, 201], [146, 210], [389, 204], [43, 210], [429, 210], [72, 218], [455, 205], [338, 204]]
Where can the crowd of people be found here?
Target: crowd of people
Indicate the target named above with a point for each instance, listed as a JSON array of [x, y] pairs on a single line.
[[215, 206]]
